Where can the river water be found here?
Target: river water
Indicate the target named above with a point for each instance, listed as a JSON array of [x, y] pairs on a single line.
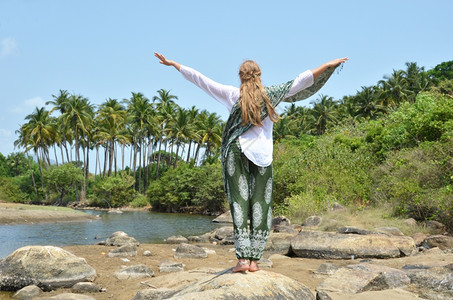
[[146, 227]]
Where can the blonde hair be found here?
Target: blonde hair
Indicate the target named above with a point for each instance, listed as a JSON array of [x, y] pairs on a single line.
[[252, 95]]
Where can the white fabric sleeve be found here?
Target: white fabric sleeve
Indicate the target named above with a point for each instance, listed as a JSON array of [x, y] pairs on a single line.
[[220, 92], [303, 81]]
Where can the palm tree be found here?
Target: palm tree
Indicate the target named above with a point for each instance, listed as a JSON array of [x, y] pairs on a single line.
[[60, 103], [210, 128], [395, 89], [193, 113], [367, 103], [164, 107], [324, 110]]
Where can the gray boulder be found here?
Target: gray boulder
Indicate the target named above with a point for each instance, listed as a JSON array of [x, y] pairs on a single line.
[[337, 207], [364, 277], [190, 251], [120, 238], [315, 244], [435, 225], [85, 287], [223, 232], [312, 221], [137, 271], [418, 238], [224, 218], [279, 243], [258, 285], [47, 267], [265, 263], [27, 293], [280, 220], [198, 238], [176, 239], [443, 242], [123, 251], [169, 266]]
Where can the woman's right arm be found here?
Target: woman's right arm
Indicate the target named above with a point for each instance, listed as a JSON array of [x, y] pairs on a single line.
[[220, 92]]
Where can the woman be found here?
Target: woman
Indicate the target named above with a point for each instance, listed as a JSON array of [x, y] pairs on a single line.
[[247, 146]]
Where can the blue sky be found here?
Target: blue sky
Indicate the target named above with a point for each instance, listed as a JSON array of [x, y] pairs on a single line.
[[104, 49]]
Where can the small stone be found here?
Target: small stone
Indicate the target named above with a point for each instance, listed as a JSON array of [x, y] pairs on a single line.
[[209, 251], [224, 218], [197, 239], [176, 239], [161, 293], [85, 287], [170, 266], [353, 230], [120, 238], [223, 232], [228, 240], [123, 251], [326, 269], [28, 292], [137, 271], [190, 251], [287, 229], [389, 230], [322, 295], [442, 241], [337, 207], [147, 253], [276, 256]]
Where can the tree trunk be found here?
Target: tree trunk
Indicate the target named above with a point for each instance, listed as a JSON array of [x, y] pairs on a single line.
[[32, 176], [158, 159]]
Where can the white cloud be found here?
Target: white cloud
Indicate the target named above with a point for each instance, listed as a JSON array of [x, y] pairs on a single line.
[[8, 46], [29, 105]]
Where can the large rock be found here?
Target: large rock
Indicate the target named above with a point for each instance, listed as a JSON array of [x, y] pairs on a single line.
[[45, 266], [280, 220], [169, 266], [315, 244], [224, 218], [70, 296], [433, 283], [120, 238], [85, 287], [389, 230], [279, 243], [259, 285], [155, 294], [364, 277], [312, 221], [138, 271], [190, 251], [442, 241]]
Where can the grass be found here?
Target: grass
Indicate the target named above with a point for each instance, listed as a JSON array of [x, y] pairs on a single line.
[[369, 219]]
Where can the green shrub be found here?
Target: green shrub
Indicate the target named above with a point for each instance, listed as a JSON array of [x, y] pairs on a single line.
[[9, 191], [188, 186], [139, 201], [114, 191]]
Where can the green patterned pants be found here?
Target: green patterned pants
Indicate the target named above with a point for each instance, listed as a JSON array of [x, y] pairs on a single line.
[[249, 191]]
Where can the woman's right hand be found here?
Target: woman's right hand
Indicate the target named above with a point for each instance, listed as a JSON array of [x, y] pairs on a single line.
[[336, 62], [167, 62]]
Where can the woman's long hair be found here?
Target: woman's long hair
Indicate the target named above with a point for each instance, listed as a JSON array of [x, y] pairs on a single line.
[[252, 95]]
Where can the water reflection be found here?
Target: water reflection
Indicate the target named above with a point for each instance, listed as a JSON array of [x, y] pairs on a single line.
[[145, 227]]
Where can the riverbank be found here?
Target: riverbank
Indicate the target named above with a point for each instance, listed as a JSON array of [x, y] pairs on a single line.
[[299, 269], [14, 213]]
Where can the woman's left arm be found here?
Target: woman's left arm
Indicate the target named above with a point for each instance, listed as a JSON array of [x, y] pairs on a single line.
[[333, 63]]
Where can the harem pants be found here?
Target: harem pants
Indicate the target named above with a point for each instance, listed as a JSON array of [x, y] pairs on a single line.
[[249, 191]]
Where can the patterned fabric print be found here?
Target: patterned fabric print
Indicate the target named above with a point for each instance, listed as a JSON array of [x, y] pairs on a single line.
[[261, 170], [268, 191], [252, 185], [242, 243], [230, 164], [269, 218], [243, 187], [258, 243], [257, 216], [228, 192], [237, 214]]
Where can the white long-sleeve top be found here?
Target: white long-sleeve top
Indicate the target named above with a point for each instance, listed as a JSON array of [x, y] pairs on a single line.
[[256, 143]]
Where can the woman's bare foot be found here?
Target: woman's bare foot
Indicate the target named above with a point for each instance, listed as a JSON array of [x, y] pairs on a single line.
[[242, 266], [254, 266]]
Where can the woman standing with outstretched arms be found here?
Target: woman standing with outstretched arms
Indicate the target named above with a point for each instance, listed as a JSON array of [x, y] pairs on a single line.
[[247, 146]]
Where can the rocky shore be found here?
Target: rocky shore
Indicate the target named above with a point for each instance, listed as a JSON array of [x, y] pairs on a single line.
[[300, 262]]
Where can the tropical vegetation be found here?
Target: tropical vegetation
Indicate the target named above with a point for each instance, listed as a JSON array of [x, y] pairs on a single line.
[[387, 145]]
